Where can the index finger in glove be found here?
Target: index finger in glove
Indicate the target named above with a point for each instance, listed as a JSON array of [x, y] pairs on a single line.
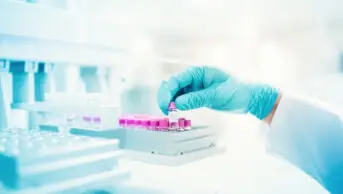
[[174, 87]]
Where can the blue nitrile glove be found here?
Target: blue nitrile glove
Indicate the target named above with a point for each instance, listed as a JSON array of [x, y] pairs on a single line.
[[212, 88]]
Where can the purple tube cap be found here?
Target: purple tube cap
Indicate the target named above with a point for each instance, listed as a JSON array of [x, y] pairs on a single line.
[[122, 121], [172, 106], [97, 119], [188, 123], [87, 118], [130, 121], [154, 124], [163, 124], [138, 122], [146, 124]]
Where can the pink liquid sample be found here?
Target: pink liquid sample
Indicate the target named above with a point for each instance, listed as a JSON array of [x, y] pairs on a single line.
[[163, 125], [173, 125], [122, 122], [130, 122], [182, 123], [188, 124], [154, 123], [138, 123], [146, 124]]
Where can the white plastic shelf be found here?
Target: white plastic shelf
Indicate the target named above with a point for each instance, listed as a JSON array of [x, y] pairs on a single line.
[[38, 32], [66, 107], [46, 162]]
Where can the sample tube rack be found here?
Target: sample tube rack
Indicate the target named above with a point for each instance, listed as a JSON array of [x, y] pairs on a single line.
[[161, 145]]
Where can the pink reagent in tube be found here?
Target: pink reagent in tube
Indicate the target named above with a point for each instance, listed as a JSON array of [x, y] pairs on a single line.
[[163, 125], [188, 124], [130, 123], [138, 123], [173, 115], [122, 122], [146, 124], [154, 124], [182, 123]]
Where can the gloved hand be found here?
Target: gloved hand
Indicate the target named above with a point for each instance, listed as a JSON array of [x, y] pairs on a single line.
[[212, 88]]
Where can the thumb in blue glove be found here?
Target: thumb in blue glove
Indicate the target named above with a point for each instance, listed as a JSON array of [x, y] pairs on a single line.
[[212, 88]]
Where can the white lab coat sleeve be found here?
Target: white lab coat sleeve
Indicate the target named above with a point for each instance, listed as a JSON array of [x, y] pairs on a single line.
[[309, 136]]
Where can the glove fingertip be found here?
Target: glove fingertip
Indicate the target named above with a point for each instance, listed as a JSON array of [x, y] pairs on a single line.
[[182, 103]]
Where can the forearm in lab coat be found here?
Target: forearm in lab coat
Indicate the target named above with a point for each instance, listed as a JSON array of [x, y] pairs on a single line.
[[309, 136]]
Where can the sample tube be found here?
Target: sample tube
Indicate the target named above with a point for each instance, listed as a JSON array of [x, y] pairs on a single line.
[[122, 122], [138, 123], [97, 121], [130, 123], [182, 123], [173, 115], [146, 124], [188, 124], [163, 124], [154, 124], [87, 120]]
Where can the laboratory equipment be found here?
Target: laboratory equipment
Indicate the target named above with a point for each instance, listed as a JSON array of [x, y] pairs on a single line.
[[71, 141], [173, 116], [188, 124], [154, 123], [43, 162], [32, 46], [150, 139]]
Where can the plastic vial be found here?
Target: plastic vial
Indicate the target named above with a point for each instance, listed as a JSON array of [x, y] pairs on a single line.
[[97, 121], [146, 124], [138, 123], [163, 125], [173, 115], [87, 120], [130, 123], [188, 124], [154, 124], [122, 122], [182, 123]]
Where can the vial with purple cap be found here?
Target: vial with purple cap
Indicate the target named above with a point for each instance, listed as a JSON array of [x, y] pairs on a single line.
[[87, 120], [138, 124], [130, 123], [173, 115], [163, 125], [146, 124], [96, 121], [188, 124], [182, 122], [122, 122], [154, 124]]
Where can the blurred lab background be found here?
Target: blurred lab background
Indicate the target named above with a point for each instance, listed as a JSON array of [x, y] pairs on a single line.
[[292, 44]]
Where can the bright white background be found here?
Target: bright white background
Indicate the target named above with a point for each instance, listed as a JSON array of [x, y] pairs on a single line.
[[282, 42]]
